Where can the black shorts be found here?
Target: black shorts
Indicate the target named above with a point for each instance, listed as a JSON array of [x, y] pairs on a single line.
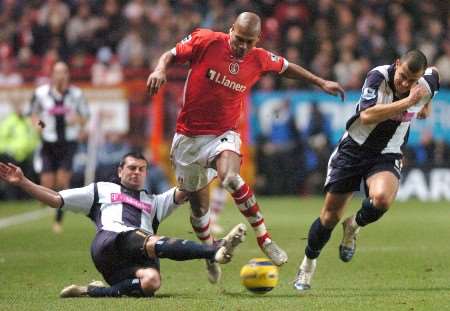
[[118, 255], [350, 164], [58, 156]]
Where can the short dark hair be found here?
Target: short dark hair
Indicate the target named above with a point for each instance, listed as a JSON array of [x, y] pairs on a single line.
[[132, 154], [415, 60]]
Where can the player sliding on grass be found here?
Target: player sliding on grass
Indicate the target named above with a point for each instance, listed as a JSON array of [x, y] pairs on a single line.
[[126, 249], [223, 69], [370, 151]]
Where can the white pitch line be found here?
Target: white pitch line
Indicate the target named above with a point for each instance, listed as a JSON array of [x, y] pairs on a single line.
[[23, 218]]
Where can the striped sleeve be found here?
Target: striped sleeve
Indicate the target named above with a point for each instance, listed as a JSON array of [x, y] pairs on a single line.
[[431, 77], [78, 200], [165, 204], [369, 93]]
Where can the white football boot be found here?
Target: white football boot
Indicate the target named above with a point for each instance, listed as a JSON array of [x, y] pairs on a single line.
[[73, 290], [275, 253], [304, 275], [235, 237], [347, 247]]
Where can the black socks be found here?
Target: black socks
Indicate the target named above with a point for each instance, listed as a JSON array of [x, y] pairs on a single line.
[[128, 287], [317, 238], [368, 213], [177, 249]]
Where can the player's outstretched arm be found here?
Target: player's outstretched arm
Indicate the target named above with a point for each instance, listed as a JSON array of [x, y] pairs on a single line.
[[158, 77], [380, 112], [181, 196], [13, 175], [294, 71]]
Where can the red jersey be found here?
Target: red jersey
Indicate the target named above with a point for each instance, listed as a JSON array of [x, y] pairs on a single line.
[[217, 83]]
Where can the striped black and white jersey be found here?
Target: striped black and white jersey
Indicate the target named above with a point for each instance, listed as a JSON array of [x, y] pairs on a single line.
[[390, 135], [54, 109], [115, 208]]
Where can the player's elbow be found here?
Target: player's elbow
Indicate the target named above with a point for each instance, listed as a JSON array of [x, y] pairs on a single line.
[[366, 118]]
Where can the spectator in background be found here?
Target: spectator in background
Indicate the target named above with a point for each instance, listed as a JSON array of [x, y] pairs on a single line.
[[318, 148], [322, 63], [431, 37], [348, 70], [9, 76], [431, 152], [81, 64], [130, 46], [109, 154], [111, 26], [18, 139], [280, 154], [59, 110], [81, 28], [443, 62], [106, 70]]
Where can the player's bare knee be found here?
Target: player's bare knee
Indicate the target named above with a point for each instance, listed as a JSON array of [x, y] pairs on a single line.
[[330, 216], [329, 219], [381, 201], [232, 182], [150, 282]]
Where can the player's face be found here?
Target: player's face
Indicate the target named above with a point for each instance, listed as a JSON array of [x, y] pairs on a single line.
[[242, 40], [133, 172], [404, 79], [60, 74]]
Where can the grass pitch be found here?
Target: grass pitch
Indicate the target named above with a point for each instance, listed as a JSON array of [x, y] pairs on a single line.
[[401, 263]]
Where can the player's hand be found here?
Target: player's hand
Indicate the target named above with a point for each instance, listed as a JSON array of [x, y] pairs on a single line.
[[425, 112], [11, 173], [416, 93], [333, 88], [155, 80]]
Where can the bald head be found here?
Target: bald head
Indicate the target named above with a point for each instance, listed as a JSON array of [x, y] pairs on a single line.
[[245, 33], [248, 23]]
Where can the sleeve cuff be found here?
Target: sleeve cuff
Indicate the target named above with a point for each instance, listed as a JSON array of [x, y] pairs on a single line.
[[62, 201], [285, 66]]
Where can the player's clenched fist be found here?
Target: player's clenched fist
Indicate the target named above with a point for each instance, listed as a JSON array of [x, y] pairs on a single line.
[[416, 93]]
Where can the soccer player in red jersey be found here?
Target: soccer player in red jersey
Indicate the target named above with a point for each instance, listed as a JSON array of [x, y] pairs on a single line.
[[223, 68]]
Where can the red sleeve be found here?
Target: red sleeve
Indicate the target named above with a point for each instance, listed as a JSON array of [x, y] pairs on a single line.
[[272, 62], [187, 49]]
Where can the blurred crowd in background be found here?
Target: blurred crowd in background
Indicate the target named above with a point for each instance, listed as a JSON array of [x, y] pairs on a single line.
[[106, 42]]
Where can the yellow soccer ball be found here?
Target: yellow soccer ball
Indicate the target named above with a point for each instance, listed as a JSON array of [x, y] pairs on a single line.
[[259, 275]]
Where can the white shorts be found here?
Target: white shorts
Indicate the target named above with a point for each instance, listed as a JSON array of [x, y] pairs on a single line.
[[192, 157]]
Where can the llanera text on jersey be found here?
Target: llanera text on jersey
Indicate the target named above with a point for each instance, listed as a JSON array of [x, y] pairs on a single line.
[[223, 80]]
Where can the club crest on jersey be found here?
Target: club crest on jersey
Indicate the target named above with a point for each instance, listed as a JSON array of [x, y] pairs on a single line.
[[369, 93], [274, 57], [186, 39], [234, 68]]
